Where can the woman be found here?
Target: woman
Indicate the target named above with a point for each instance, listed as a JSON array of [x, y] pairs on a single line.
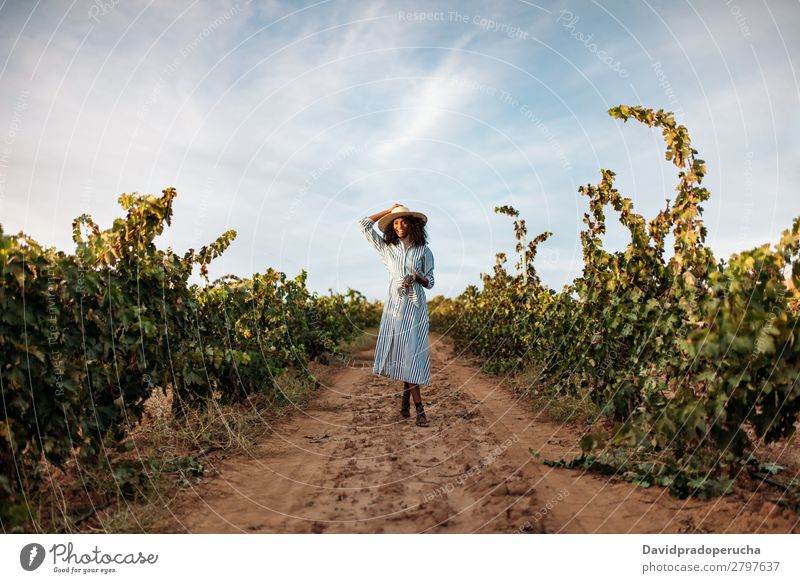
[[401, 351]]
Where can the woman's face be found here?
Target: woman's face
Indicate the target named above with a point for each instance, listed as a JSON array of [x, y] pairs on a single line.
[[400, 226]]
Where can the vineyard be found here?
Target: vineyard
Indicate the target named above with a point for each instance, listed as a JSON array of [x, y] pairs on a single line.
[[687, 360], [88, 337], [680, 364]]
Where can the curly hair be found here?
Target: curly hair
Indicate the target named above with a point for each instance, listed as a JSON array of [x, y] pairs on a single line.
[[417, 234]]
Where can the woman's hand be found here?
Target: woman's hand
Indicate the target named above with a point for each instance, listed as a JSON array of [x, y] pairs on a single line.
[[380, 215]]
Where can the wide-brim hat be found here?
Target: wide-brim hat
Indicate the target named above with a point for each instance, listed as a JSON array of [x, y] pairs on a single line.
[[399, 211]]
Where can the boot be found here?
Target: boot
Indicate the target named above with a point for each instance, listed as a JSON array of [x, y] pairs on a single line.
[[405, 409], [422, 419]]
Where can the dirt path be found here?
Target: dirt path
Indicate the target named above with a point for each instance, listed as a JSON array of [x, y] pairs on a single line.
[[350, 463]]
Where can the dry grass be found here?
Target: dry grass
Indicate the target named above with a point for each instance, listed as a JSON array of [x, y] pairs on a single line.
[[362, 342], [556, 405]]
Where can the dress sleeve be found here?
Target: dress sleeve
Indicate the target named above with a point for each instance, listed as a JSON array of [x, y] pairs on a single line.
[[374, 238], [428, 268]]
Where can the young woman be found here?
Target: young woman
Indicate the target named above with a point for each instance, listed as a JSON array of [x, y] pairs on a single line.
[[402, 351]]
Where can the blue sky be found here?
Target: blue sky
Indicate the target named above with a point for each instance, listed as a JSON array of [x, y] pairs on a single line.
[[288, 121]]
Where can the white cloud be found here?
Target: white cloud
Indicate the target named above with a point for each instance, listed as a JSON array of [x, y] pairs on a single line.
[[249, 116]]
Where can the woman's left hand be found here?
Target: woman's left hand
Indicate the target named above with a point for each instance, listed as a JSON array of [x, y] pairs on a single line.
[[421, 279]]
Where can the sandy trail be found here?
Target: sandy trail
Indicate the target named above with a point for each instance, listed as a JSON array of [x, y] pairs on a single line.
[[350, 463]]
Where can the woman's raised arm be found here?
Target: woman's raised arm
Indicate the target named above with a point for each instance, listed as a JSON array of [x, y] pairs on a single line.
[[374, 238], [380, 215]]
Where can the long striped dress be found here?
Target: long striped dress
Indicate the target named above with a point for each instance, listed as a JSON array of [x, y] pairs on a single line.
[[402, 350]]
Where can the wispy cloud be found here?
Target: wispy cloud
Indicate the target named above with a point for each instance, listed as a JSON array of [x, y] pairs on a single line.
[[288, 121]]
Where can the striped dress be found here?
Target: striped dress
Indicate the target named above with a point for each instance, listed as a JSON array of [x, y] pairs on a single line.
[[402, 351]]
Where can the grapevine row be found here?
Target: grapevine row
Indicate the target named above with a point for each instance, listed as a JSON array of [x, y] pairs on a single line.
[[688, 358], [87, 337]]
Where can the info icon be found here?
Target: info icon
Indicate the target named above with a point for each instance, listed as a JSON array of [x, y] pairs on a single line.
[[31, 556]]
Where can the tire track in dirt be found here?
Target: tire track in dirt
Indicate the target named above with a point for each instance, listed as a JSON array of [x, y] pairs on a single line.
[[349, 462]]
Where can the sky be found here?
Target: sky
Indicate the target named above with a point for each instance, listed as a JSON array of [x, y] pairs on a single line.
[[289, 121]]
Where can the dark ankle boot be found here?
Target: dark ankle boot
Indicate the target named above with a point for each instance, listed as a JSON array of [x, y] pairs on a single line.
[[422, 419], [405, 409]]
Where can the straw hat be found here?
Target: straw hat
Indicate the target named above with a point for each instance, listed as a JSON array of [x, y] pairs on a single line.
[[399, 211]]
